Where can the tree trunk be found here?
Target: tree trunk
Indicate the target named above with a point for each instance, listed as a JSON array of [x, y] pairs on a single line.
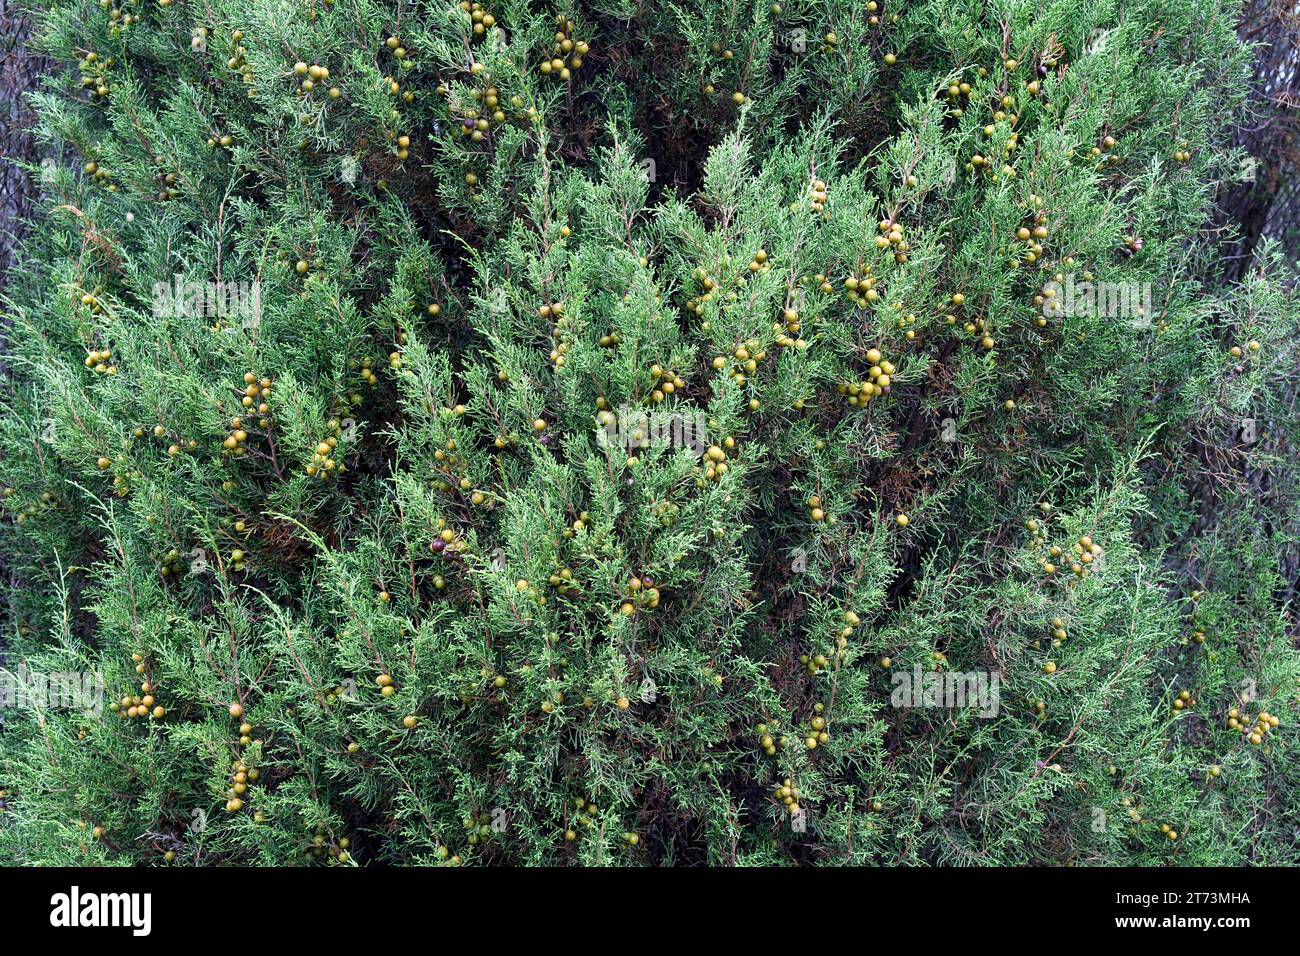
[[20, 71], [1269, 205]]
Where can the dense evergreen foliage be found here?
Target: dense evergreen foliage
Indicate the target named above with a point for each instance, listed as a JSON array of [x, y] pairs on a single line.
[[575, 434]]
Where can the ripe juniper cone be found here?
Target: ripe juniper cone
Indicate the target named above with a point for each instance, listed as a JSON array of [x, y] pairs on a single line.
[[405, 565]]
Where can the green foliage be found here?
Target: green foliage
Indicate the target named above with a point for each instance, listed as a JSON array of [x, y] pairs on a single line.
[[600, 435]]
